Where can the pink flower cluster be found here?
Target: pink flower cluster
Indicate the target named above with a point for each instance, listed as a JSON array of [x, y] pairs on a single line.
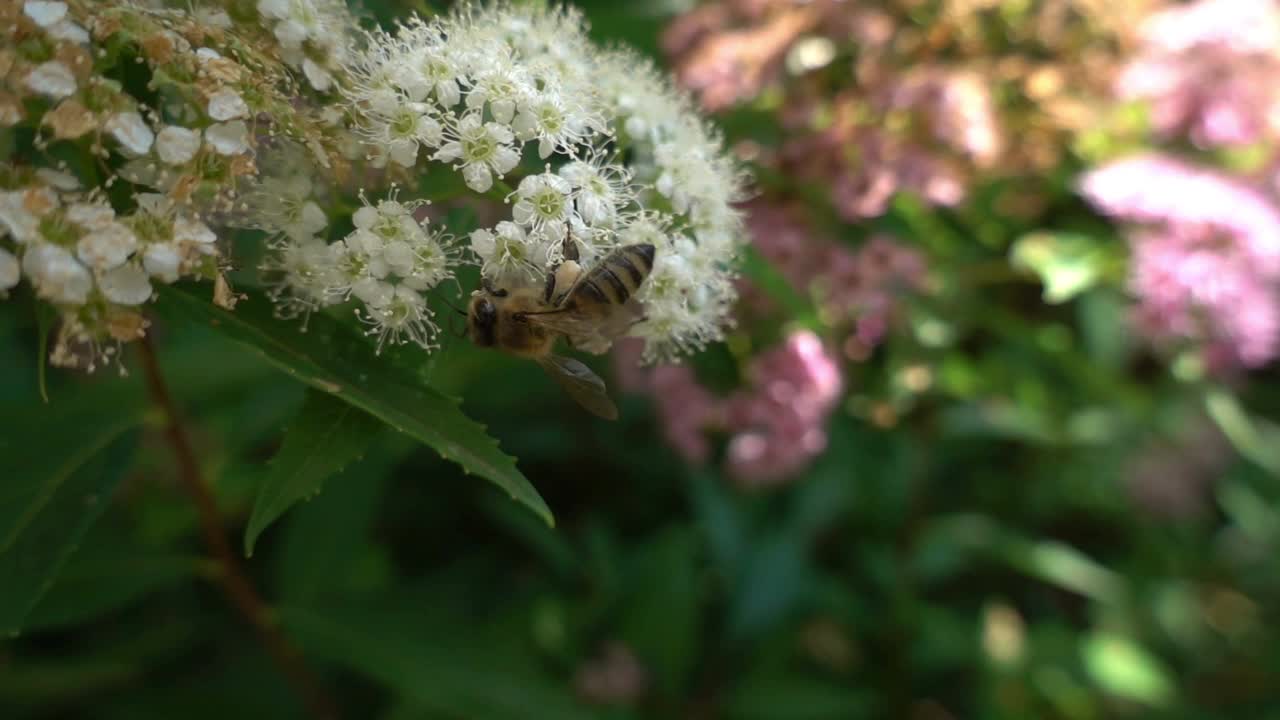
[[776, 424], [860, 287], [924, 131], [1206, 265], [1210, 70]]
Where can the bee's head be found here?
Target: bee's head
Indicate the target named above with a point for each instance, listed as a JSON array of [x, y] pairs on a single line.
[[482, 321]]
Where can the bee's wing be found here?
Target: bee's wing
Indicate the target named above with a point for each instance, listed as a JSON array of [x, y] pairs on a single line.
[[590, 332], [583, 386]]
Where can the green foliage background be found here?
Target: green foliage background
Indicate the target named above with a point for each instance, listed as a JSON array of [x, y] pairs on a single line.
[[980, 559]]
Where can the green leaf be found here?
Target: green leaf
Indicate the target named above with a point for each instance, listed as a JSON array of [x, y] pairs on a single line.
[[1067, 263], [796, 697], [436, 661], [326, 435], [334, 359], [52, 501], [768, 278], [1124, 668], [1254, 438], [661, 620]]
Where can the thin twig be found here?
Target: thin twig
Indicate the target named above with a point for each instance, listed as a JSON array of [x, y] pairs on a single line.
[[237, 586]]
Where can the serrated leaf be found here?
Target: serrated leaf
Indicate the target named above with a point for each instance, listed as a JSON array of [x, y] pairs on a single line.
[[334, 359], [326, 435], [54, 497]]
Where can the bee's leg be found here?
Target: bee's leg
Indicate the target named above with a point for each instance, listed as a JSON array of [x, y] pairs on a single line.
[[569, 247], [549, 287]]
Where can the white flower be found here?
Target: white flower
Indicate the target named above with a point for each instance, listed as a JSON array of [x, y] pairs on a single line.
[[57, 276], [52, 79], [162, 261], [177, 145], [107, 246], [481, 149], [555, 123], [131, 131], [45, 14], [544, 205], [125, 285], [226, 104], [502, 86], [508, 254], [601, 189], [10, 271], [404, 129], [400, 318], [229, 138]]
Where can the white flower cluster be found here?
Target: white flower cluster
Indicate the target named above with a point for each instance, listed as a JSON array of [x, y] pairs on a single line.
[[97, 260], [314, 36], [620, 157], [90, 263], [385, 264]]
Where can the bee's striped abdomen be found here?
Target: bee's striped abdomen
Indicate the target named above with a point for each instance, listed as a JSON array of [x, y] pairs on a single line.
[[618, 275]]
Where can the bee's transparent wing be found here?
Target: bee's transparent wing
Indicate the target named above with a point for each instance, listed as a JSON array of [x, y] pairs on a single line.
[[590, 333], [583, 386]]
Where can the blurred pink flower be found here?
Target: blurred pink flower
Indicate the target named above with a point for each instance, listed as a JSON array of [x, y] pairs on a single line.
[[776, 424], [1157, 189], [859, 286], [779, 422], [1210, 70], [1206, 268]]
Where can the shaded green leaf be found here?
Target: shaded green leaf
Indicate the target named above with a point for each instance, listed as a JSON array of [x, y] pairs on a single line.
[[62, 490], [326, 435], [430, 660], [795, 697], [334, 359], [661, 619]]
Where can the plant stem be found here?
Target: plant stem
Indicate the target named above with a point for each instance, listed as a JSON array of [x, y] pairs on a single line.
[[235, 584]]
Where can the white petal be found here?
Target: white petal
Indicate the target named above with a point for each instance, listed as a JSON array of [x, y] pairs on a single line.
[[52, 79], [403, 152], [162, 261], [10, 271], [177, 145], [69, 31], [230, 138], [193, 231], [365, 217], [477, 177], [107, 247], [131, 131], [319, 78], [483, 243], [45, 14], [450, 152], [504, 158], [226, 104], [448, 94], [125, 285]]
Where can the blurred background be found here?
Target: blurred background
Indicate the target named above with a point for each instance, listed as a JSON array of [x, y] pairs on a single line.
[[995, 436]]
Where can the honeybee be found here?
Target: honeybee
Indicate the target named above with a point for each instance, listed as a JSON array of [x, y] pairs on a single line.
[[589, 308]]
